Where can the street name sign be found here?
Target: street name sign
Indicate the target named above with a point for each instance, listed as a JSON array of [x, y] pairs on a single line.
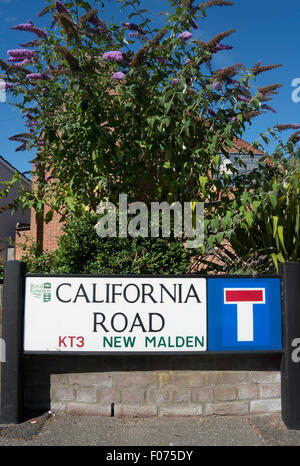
[[113, 314], [156, 314], [137, 314]]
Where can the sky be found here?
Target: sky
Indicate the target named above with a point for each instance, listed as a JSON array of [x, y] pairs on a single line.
[[266, 30]]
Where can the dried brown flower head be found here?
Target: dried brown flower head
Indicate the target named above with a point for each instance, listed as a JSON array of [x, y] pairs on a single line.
[[139, 56], [269, 90], [228, 72], [288, 126], [295, 137], [45, 11], [72, 61], [211, 3], [248, 116], [216, 39], [68, 26], [85, 18], [257, 69]]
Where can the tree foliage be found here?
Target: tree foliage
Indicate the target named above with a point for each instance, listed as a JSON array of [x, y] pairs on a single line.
[[132, 108], [111, 113], [80, 250]]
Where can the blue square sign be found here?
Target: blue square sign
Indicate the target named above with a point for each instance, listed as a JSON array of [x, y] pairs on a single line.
[[244, 314]]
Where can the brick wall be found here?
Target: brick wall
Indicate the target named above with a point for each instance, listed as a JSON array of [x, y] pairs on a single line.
[[154, 386], [46, 234], [51, 232]]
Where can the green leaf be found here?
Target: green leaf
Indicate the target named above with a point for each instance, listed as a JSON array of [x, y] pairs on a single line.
[[151, 121], [203, 180], [249, 218], [256, 205], [274, 258], [166, 122], [275, 223], [280, 235], [49, 216], [168, 106]]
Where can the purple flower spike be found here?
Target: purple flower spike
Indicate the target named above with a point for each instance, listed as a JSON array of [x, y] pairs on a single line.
[[118, 76], [18, 139], [29, 27], [31, 43], [29, 116], [23, 27], [186, 35], [223, 47], [39, 32], [21, 148], [217, 86], [23, 63], [193, 23], [21, 53], [174, 81], [162, 60], [134, 27], [15, 59], [242, 98], [60, 7], [114, 55], [37, 76]]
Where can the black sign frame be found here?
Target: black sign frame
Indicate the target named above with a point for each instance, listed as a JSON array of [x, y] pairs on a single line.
[[13, 325]]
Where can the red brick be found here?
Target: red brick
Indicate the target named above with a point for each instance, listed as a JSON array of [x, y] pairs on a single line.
[[159, 396], [88, 409], [135, 379], [203, 394], [86, 394], [248, 392], [180, 411], [135, 411], [265, 406], [133, 396], [109, 395], [272, 390], [227, 409], [181, 395], [181, 378], [63, 393], [225, 393], [91, 379]]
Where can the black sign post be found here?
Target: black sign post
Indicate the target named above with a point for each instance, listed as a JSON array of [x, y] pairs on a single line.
[[290, 371], [12, 333]]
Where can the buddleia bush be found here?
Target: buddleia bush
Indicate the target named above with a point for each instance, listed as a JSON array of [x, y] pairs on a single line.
[[81, 250]]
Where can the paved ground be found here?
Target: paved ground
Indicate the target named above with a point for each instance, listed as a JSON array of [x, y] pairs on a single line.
[[64, 430]]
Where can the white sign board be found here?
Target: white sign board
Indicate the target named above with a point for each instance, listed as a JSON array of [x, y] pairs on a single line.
[[115, 314]]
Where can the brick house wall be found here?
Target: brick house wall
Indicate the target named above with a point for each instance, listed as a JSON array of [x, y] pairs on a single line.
[[47, 235]]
